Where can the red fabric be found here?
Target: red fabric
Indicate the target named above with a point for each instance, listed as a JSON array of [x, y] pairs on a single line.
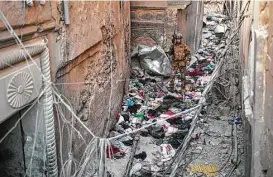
[[170, 113], [141, 94], [151, 116], [112, 151], [169, 148], [195, 73], [160, 94]]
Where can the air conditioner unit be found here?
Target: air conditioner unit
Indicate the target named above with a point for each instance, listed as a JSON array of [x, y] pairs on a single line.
[[20, 83]]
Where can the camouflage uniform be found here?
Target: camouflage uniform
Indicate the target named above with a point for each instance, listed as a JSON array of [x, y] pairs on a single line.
[[181, 58]]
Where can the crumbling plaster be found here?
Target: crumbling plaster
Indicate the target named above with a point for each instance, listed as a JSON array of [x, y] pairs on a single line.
[[97, 59], [259, 32], [93, 51]]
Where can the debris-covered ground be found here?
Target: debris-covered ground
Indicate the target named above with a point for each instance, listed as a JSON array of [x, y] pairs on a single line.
[[163, 121]]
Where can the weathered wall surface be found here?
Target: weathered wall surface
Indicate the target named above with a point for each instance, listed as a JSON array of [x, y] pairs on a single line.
[[256, 53], [148, 23], [154, 24], [171, 25], [19, 14], [89, 63], [190, 22], [97, 60], [28, 22]]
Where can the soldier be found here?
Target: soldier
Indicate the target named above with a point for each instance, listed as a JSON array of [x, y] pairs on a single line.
[[181, 57]]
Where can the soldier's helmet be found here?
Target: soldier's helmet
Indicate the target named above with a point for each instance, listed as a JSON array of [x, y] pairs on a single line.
[[177, 38]]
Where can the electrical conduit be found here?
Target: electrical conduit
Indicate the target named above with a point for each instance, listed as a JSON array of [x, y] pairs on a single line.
[[12, 57], [47, 100]]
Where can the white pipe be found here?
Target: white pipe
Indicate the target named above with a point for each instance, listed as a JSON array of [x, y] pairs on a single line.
[[66, 12], [47, 100]]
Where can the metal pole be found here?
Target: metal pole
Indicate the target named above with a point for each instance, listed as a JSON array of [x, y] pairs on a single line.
[[66, 12]]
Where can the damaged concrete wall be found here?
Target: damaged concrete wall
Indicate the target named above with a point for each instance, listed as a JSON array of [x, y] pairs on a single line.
[[89, 58], [256, 53], [97, 60]]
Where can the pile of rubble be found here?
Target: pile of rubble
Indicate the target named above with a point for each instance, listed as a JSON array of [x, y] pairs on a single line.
[[151, 108]]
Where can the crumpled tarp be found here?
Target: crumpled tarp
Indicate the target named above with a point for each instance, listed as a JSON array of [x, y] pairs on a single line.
[[153, 60]]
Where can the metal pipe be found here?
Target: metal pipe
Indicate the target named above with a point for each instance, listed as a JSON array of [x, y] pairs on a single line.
[[66, 12]]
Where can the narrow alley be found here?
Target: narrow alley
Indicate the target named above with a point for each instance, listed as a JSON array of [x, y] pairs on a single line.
[[136, 89]]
